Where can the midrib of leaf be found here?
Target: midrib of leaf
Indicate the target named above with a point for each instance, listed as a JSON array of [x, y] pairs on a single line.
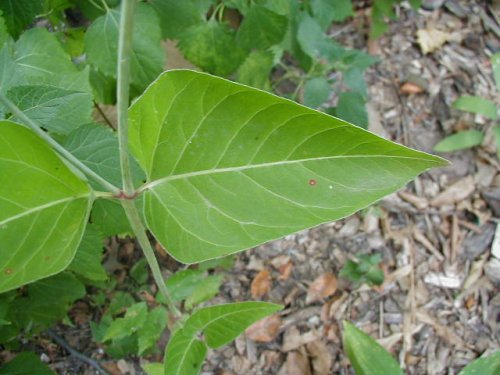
[[152, 184], [42, 207]]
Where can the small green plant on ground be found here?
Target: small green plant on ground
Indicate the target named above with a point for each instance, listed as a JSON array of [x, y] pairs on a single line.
[[369, 358], [474, 104], [214, 168], [365, 268]]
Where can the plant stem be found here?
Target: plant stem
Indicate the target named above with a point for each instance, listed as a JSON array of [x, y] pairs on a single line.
[[56, 146], [123, 83], [140, 232], [123, 88]]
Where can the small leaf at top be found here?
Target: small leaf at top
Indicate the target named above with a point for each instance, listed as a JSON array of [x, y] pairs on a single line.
[[256, 69], [367, 356], [230, 167], [147, 57], [38, 58], [476, 104], [316, 91], [351, 108], [261, 28], [212, 46], [44, 208]]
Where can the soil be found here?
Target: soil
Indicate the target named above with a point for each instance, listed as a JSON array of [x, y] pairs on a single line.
[[439, 306]]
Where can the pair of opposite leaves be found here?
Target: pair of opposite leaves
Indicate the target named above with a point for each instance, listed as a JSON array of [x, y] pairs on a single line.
[[228, 167]]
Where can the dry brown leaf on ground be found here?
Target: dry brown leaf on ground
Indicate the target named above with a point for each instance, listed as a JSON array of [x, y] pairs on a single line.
[[293, 339], [261, 284], [320, 357], [265, 330], [430, 40], [323, 286], [296, 363], [411, 88], [455, 193], [284, 265]]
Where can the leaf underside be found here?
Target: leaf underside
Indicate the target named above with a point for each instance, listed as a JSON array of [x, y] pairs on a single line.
[[230, 167], [44, 207]]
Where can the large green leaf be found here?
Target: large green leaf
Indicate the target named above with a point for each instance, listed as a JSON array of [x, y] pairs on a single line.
[[367, 356], [212, 46], [101, 45], [219, 325], [38, 58], [262, 28], [54, 109], [230, 167], [44, 207]]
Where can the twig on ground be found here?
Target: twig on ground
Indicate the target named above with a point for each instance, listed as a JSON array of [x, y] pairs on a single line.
[[82, 357]]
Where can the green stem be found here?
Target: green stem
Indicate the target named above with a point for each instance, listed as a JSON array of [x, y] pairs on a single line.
[[56, 146], [140, 232], [123, 84], [123, 88]]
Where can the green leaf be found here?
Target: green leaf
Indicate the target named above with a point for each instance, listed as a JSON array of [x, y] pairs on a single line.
[[316, 91], [241, 167], [204, 291], [154, 368], [19, 14], [87, 261], [177, 16], [119, 303], [312, 39], [327, 11], [139, 271], [212, 46], [57, 110], [183, 283], [4, 34], [184, 355], [134, 319], [97, 147], [496, 133], [152, 329], [366, 355], [110, 218], [24, 363], [495, 65], [47, 301], [44, 208], [460, 141], [261, 28], [256, 69], [478, 105], [351, 108], [38, 58], [219, 324], [147, 58], [484, 366]]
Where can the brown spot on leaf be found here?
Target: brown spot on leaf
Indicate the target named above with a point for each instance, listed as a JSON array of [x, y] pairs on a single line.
[[8, 271], [312, 182]]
